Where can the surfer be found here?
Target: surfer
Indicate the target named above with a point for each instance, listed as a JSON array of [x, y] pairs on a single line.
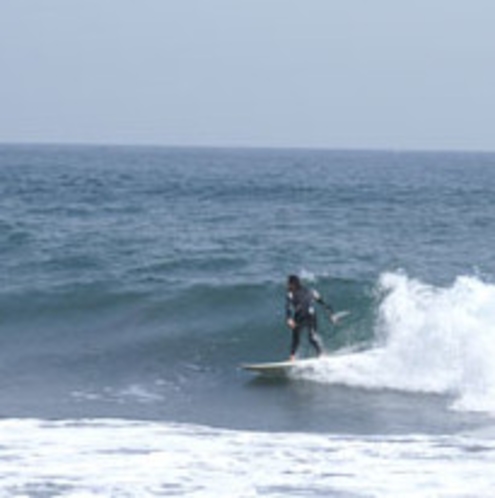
[[301, 314]]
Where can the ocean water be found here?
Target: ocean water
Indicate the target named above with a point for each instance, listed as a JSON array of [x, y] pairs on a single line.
[[135, 281]]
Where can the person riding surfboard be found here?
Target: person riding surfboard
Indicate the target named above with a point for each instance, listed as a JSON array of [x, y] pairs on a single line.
[[301, 314]]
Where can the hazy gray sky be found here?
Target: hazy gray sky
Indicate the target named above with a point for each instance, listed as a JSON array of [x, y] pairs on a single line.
[[313, 73]]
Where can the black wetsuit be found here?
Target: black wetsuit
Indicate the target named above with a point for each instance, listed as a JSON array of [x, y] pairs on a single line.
[[300, 307]]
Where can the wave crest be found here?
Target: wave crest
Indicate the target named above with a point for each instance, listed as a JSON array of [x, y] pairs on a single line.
[[428, 339]]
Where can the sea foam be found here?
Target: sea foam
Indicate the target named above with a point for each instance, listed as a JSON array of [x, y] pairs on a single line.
[[111, 457]]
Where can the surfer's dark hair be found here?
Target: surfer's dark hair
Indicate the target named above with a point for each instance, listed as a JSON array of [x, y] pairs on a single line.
[[294, 280]]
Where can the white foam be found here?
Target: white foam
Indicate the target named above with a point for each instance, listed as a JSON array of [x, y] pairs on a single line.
[[428, 339], [128, 458], [307, 275], [135, 393]]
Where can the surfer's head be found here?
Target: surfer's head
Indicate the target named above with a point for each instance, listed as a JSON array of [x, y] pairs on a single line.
[[293, 283]]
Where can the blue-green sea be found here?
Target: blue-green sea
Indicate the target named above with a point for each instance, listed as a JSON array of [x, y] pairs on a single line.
[[135, 281]]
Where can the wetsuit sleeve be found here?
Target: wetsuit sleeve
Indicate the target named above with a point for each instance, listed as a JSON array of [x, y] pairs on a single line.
[[320, 300], [289, 309]]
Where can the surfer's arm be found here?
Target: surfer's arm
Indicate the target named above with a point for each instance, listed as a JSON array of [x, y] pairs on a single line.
[[289, 311], [326, 305]]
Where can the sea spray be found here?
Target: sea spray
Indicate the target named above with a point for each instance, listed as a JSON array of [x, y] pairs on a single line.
[[428, 339]]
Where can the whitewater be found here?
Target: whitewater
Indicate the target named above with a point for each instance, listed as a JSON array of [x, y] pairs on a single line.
[[427, 339], [122, 458]]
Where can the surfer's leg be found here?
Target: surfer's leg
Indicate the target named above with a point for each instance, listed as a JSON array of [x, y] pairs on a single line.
[[314, 338], [296, 334], [315, 341]]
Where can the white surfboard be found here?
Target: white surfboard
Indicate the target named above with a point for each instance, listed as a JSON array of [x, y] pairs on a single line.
[[279, 368]]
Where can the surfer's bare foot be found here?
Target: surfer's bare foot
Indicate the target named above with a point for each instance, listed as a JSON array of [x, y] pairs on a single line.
[[292, 357]]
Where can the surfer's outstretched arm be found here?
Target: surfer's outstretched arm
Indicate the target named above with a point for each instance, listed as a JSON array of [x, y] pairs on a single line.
[[326, 305]]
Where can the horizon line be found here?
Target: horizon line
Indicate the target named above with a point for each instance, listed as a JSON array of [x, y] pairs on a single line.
[[321, 148]]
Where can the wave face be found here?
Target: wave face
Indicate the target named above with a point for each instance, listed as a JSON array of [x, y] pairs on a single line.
[[135, 281]]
